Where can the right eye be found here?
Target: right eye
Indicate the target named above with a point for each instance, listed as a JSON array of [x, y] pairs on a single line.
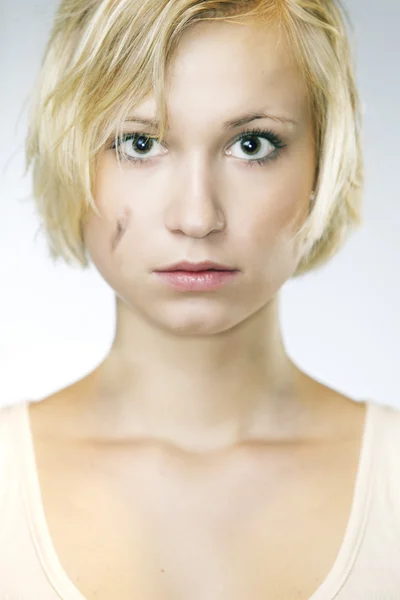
[[136, 147]]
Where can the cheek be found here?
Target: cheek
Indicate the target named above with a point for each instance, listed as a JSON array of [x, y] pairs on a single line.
[[270, 234], [98, 235], [104, 240], [279, 197], [102, 235], [278, 216], [113, 198]]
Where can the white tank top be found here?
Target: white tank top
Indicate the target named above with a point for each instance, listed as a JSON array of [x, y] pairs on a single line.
[[367, 566]]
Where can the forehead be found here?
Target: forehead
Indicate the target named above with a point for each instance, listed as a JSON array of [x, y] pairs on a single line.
[[222, 69], [228, 48]]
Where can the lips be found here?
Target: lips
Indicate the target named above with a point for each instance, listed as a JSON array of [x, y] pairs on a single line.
[[196, 267], [207, 280]]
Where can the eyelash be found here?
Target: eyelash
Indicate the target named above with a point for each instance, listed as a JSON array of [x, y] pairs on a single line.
[[266, 134]]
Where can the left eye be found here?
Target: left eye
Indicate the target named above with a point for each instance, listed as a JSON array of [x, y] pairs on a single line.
[[253, 147]]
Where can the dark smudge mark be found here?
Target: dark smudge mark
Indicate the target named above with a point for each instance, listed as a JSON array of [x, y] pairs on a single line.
[[122, 225]]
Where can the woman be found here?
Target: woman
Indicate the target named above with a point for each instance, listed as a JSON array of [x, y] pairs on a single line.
[[200, 153]]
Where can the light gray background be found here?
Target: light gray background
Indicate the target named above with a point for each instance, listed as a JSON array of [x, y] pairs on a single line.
[[340, 324]]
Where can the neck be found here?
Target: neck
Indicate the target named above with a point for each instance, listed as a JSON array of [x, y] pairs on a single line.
[[199, 391]]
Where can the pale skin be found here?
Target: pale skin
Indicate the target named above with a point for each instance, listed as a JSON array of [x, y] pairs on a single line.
[[197, 450]]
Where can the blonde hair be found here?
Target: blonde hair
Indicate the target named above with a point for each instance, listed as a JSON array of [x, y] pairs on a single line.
[[105, 56]]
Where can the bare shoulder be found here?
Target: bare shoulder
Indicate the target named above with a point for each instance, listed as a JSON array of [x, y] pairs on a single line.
[[335, 415], [61, 410]]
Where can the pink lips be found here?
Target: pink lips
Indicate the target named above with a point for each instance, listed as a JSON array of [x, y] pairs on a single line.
[[205, 276], [201, 281], [192, 267]]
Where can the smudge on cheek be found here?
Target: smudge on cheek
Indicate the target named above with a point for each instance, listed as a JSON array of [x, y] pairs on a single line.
[[123, 220]]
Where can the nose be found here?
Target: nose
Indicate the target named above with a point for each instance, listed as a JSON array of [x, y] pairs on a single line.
[[193, 208]]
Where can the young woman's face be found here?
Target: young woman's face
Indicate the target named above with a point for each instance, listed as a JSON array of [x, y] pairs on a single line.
[[213, 191]]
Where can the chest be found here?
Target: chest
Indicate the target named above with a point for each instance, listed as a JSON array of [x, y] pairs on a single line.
[[147, 525]]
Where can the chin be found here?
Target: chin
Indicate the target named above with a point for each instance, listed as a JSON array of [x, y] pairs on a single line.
[[194, 318]]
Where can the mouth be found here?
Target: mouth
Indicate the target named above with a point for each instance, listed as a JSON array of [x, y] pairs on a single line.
[[203, 267], [204, 280], [199, 273]]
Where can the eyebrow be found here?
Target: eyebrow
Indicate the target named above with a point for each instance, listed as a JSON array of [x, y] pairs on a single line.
[[237, 122]]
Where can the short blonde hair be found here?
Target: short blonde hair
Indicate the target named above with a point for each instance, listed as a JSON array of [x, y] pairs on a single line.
[[105, 56]]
